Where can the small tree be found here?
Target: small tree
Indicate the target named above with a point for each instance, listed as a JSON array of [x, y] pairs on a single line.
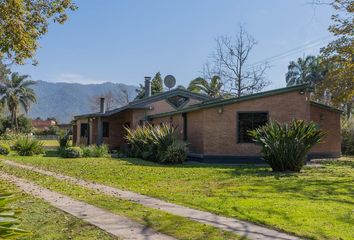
[[15, 93], [338, 54], [213, 88], [285, 146], [305, 70], [230, 63], [156, 86]]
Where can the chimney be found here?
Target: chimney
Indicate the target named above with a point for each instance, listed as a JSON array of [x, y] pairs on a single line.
[[147, 87], [102, 105]]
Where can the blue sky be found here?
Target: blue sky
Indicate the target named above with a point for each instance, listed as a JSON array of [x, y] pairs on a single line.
[[125, 40]]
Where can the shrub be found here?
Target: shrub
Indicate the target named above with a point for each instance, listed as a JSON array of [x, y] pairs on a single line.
[[26, 146], [95, 151], [24, 124], [4, 149], [151, 142], [285, 146], [72, 152], [347, 132], [175, 153], [64, 140]]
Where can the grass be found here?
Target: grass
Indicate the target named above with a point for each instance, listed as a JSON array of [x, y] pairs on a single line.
[[51, 143], [178, 227], [316, 203], [46, 222]]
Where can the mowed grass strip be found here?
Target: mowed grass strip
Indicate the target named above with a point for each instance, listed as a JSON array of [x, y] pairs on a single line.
[[178, 227], [316, 203], [46, 222]]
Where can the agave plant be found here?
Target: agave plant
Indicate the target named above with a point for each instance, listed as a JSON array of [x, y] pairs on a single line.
[[285, 146], [8, 219]]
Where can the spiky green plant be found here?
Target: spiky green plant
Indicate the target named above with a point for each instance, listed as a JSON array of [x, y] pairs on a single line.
[[8, 219], [175, 153], [26, 146], [151, 142], [285, 146]]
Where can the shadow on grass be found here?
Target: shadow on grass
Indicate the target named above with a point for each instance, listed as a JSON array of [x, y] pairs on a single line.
[[189, 164], [51, 153]]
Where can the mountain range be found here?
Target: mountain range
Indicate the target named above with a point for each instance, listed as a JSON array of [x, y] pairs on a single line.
[[65, 100]]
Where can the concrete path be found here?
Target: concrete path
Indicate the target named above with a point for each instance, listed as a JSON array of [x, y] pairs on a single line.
[[242, 228], [118, 226]]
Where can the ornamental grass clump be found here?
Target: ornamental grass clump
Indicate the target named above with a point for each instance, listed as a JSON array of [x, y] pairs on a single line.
[[285, 146], [156, 143], [26, 146], [72, 152], [95, 151], [4, 149]]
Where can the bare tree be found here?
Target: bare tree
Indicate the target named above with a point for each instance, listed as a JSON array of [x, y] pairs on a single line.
[[230, 63], [111, 101]]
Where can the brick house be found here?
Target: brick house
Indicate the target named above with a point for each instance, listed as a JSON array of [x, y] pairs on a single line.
[[42, 125], [215, 129]]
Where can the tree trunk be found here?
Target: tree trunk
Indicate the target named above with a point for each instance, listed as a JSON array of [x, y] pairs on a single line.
[[349, 110]]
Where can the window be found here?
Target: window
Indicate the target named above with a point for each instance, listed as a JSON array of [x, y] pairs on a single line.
[[84, 130], [177, 101], [248, 121], [105, 130]]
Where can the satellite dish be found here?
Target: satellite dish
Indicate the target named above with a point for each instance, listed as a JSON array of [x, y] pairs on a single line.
[[169, 81]]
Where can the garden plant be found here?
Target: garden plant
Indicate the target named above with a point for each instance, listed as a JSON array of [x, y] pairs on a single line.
[[156, 143], [285, 146]]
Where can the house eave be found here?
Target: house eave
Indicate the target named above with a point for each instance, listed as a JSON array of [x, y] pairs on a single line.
[[326, 107], [223, 102]]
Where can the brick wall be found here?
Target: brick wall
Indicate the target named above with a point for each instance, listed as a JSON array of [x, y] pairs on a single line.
[[219, 130], [329, 122]]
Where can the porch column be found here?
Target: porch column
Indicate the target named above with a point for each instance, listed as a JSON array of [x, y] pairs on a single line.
[[99, 131]]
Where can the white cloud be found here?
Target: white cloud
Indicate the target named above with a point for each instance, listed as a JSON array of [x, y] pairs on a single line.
[[76, 78]]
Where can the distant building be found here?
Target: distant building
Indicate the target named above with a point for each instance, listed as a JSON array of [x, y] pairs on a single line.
[[43, 125]]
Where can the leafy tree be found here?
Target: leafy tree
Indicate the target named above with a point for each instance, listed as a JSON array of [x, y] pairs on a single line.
[[305, 70], [24, 124], [15, 93], [156, 86], [211, 88], [24, 22], [338, 54]]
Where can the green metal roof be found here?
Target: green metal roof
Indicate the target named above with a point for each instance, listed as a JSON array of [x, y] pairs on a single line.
[[327, 107], [141, 103], [222, 102]]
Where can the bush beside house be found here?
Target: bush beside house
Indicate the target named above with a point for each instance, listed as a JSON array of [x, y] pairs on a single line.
[[285, 146], [156, 143]]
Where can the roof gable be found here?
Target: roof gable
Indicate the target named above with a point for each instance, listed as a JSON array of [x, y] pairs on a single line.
[[142, 103]]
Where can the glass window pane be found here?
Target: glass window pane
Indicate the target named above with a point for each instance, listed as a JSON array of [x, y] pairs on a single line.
[[250, 121]]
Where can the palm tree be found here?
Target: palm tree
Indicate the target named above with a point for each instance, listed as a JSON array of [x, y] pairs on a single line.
[[305, 70], [15, 92], [201, 85]]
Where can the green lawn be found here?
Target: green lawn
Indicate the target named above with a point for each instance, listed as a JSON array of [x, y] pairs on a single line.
[[47, 223], [50, 143], [316, 203], [178, 227]]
